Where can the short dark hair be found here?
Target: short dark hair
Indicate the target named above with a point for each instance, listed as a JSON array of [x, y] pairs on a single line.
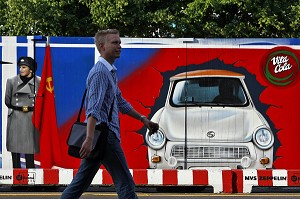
[[100, 36]]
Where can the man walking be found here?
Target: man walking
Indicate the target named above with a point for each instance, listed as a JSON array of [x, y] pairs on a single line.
[[104, 96]]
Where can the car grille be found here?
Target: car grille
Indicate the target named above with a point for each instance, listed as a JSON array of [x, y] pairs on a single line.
[[210, 152]]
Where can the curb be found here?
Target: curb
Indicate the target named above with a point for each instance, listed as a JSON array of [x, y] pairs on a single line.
[[244, 180], [220, 180]]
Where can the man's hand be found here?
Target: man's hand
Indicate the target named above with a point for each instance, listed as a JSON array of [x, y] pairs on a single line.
[[153, 127], [86, 147]]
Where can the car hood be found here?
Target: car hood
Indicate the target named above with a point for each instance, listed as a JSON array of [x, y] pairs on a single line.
[[211, 124]]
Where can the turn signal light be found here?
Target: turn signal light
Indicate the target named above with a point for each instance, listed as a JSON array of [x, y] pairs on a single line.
[[264, 160], [155, 159]]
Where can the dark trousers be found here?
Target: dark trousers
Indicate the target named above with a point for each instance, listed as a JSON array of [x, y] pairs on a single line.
[[115, 163], [29, 158]]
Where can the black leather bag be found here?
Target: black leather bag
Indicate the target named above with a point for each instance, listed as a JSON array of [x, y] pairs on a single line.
[[77, 136], [78, 133]]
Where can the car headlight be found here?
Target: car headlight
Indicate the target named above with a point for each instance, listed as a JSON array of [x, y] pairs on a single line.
[[263, 138], [157, 140]]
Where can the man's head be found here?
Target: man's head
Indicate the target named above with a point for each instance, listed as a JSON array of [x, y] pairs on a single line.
[[108, 43]]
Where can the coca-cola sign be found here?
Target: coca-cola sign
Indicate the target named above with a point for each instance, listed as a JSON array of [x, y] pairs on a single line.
[[280, 66]]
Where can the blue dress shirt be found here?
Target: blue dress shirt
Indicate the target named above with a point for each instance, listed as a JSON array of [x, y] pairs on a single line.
[[102, 90]]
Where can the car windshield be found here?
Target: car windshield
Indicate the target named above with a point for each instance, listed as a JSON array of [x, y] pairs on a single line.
[[208, 91]]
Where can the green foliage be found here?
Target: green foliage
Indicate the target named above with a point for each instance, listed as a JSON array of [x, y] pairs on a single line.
[[152, 18], [124, 15], [2, 16], [247, 18], [46, 17]]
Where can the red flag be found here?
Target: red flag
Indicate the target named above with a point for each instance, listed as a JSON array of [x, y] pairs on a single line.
[[44, 116]]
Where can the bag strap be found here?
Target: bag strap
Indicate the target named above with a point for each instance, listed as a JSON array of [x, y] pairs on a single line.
[[82, 101]]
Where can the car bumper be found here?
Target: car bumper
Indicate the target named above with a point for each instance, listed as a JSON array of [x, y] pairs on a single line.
[[203, 155]]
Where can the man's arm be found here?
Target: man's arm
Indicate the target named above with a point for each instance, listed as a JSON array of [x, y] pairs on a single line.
[[86, 147], [153, 127], [126, 108]]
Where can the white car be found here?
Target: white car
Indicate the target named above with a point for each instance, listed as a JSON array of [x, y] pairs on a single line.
[[209, 120]]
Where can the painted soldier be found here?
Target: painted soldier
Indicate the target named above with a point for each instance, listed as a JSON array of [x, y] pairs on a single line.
[[22, 137]]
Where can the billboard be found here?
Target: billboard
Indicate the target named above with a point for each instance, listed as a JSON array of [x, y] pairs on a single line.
[[176, 83]]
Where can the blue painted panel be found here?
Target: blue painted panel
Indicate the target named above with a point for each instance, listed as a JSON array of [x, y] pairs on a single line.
[[22, 39], [70, 67], [127, 63], [72, 40]]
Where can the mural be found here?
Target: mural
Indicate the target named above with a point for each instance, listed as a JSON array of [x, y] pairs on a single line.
[[271, 85], [209, 120]]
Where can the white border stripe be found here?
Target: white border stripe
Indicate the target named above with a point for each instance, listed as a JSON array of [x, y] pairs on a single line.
[[280, 173], [9, 54], [154, 177], [35, 176], [215, 179], [185, 177], [98, 179], [252, 181], [65, 176], [6, 176]]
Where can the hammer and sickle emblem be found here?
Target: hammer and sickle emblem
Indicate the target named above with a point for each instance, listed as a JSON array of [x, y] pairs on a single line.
[[49, 85]]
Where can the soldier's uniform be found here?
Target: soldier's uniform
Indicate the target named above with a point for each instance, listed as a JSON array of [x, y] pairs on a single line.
[[22, 137]]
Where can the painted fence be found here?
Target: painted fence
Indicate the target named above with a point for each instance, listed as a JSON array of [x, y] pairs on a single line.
[[271, 70]]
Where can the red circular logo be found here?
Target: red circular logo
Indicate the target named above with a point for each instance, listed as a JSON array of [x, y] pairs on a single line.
[[280, 66]]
